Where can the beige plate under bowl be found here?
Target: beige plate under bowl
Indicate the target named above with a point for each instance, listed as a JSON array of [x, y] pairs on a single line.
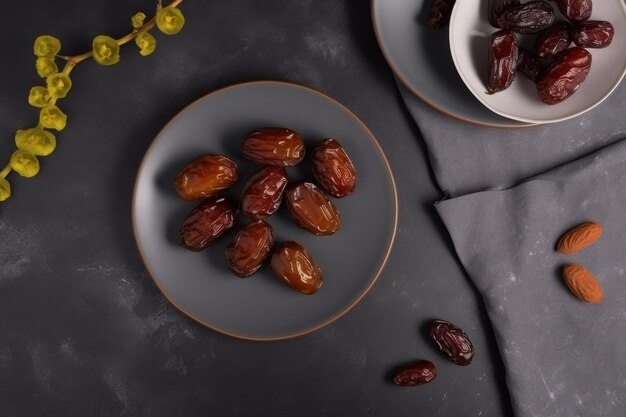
[[420, 57]]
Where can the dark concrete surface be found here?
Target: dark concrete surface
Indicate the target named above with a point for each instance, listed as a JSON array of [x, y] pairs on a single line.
[[83, 329]]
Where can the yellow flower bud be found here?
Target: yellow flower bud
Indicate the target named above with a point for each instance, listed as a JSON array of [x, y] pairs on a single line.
[[146, 43], [5, 189], [46, 46], [46, 67], [59, 85], [38, 96], [24, 163], [36, 141], [106, 50], [170, 20], [138, 19], [51, 117]]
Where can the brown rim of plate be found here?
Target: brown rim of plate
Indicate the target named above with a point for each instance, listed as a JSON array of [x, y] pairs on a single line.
[[350, 305], [421, 95]]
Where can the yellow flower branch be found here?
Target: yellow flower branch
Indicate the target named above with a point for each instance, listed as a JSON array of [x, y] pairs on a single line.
[[37, 141], [72, 61]]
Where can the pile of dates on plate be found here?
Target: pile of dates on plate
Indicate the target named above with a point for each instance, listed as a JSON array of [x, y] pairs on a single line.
[[207, 177], [555, 68]]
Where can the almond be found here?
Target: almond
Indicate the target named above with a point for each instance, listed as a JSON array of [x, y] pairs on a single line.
[[582, 283], [578, 238]]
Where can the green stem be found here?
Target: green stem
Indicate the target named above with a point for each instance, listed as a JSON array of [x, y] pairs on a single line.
[[5, 171], [68, 68], [79, 58]]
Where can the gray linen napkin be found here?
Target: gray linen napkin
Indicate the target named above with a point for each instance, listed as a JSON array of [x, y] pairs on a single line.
[[563, 357], [468, 158]]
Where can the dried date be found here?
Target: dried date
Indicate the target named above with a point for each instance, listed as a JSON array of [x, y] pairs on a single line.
[[496, 7], [576, 11], [295, 267], [251, 246], [593, 34], [274, 146], [417, 373], [529, 17], [207, 222], [439, 13], [564, 76], [205, 177], [333, 169], [263, 193], [553, 40], [452, 341], [529, 65], [311, 209], [502, 60]]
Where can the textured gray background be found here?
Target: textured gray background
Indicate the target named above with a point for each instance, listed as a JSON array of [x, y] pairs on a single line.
[[84, 331]]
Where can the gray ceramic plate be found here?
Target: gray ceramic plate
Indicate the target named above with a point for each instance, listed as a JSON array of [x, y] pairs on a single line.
[[262, 307], [420, 58]]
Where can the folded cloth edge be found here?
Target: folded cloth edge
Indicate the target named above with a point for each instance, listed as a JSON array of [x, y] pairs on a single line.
[[589, 164]]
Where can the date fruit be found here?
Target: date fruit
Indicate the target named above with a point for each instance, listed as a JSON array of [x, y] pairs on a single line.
[[502, 60], [529, 17], [553, 40], [564, 76], [333, 169], [311, 209], [205, 177], [274, 146], [593, 34], [251, 246], [576, 11], [263, 193], [417, 373], [529, 65], [295, 266], [496, 7], [439, 13], [207, 222], [452, 341]]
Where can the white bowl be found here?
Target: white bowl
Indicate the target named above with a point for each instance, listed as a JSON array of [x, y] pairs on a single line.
[[469, 30]]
